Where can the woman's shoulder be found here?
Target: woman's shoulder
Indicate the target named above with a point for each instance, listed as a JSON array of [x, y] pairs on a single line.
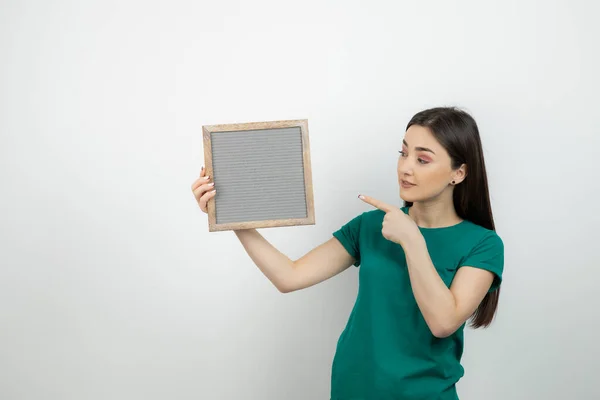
[[479, 235], [372, 218]]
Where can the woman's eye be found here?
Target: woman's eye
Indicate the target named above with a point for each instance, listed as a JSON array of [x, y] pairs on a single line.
[[419, 160]]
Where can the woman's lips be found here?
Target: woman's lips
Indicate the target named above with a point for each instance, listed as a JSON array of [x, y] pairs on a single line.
[[406, 185]]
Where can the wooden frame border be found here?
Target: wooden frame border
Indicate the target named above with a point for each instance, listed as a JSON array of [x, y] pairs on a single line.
[[207, 130]]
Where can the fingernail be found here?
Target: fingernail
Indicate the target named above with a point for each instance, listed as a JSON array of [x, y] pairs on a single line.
[[211, 184], [360, 196], [206, 178]]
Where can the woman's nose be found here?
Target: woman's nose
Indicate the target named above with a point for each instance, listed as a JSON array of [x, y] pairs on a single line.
[[404, 167]]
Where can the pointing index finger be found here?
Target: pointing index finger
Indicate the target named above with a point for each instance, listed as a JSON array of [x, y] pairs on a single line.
[[376, 203]]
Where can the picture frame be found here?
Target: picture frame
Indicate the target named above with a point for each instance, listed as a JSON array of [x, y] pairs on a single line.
[[262, 174]]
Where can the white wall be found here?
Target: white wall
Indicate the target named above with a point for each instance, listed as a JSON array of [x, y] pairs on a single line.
[[111, 286]]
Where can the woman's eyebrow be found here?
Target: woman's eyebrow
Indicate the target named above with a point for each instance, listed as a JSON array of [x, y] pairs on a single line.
[[419, 148]]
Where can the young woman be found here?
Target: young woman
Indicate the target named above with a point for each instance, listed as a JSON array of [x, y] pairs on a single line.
[[425, 268]]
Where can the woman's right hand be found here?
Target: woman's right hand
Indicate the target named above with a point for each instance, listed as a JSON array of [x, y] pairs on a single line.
[[203, 190]]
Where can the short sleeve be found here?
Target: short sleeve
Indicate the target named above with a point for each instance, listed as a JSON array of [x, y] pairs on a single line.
[[488, 254], [348, 235]]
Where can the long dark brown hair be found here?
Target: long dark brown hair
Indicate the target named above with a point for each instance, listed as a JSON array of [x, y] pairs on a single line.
[[458, 133]]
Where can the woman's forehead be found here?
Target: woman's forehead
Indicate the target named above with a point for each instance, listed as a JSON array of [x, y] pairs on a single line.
[[420, 136]]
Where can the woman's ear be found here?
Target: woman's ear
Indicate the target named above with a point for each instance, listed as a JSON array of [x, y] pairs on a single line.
[[459, 174]]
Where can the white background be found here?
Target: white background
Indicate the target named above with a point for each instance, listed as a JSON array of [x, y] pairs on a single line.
[[111, 286]]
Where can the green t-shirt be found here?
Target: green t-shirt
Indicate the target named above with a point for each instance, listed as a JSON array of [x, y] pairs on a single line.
[[386, 351]]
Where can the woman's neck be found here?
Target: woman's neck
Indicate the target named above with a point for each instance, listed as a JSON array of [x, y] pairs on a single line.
[[434, 213]]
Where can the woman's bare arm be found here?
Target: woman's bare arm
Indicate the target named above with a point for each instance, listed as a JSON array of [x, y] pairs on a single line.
[[321, 263]]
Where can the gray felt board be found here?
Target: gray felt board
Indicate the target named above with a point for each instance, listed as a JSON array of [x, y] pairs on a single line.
[[259, 175]]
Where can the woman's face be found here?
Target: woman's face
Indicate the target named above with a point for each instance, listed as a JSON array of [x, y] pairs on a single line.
[[424, 166]]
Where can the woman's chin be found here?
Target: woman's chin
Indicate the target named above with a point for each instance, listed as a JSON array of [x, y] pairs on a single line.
[[407, 197]]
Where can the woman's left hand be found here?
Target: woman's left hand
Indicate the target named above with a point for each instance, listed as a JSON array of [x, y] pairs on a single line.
[[397, 226]]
